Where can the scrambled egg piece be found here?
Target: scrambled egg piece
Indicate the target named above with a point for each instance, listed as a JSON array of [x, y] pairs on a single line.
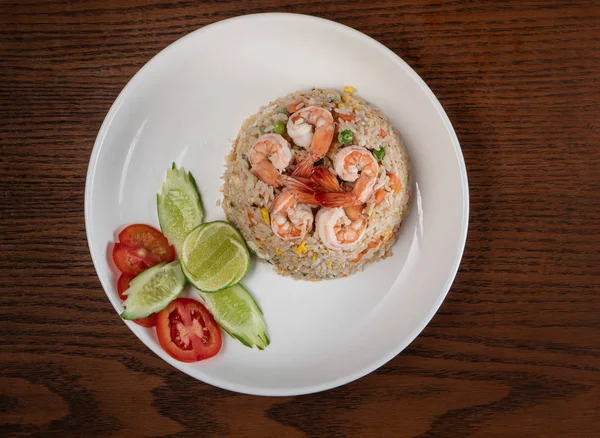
[[265, 215], [301, 248]]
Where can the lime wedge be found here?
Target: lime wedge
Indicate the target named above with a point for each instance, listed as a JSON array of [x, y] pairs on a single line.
[[153, 290], [179, 206], [214, 256], [237, 313]]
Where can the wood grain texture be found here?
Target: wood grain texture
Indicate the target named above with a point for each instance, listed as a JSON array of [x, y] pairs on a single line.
[[514, 349]]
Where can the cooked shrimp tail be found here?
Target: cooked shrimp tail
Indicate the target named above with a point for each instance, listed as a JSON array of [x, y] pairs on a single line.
[[309, 182], [336, 199], [306, 197], [296, 184], [303, 192], [324, 178], [304, 168]]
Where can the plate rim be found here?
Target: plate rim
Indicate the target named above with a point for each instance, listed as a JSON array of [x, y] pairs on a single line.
[[383, 359]]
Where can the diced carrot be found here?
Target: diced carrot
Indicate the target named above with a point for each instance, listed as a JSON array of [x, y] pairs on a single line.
[[379, 195], [358, 257], [292, 107], [374, 244], [347, 117], [396, 183], [251, 218], [382, 133]]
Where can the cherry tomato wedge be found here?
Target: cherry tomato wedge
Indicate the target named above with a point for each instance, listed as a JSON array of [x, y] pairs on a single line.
[[122, 286], [187, 331], [140, 247]]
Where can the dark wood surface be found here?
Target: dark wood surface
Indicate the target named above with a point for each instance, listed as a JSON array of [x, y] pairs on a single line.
[[514, 349]]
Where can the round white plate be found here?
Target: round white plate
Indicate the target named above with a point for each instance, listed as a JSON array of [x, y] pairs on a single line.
[[188, 103]]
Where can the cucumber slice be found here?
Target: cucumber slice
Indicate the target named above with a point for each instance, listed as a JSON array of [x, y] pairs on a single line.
[[214, 257], [237, 313], [153, 290], [179, 205]]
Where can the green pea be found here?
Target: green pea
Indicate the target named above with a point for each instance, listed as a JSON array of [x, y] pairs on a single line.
[[321, 162], [346, 136], [279, 127], [379, 154], [284, 111]]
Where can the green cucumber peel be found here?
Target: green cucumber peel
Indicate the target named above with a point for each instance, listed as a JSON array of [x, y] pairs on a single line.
[[153, 290], [179, 205]]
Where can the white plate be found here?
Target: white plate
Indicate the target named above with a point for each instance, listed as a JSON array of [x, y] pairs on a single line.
[[188, 103]]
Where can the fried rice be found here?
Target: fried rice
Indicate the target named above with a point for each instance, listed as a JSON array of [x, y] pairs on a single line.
[[247, 201]]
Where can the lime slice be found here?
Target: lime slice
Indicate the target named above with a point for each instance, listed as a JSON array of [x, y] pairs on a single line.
[[214, 256], [179, 206], [237, 313], [153, 290]]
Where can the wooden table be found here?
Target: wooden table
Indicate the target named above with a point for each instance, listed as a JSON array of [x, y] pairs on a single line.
[[514, 349]]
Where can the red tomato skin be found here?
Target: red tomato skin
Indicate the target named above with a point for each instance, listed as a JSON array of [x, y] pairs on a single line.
[[149, 321], [122, 286], [140, 247], [149, 238], [128, 262], [164, 331]]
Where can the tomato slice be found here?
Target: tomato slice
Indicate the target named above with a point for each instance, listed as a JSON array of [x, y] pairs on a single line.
[[122, 286], [187, 331], [132, 260], [149, 321], [149, 238], [140, 247]]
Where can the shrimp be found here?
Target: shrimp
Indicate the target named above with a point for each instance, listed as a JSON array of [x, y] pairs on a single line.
[[269, 156], [291, 218], [341, 228], [353, 164], [311, 128]]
